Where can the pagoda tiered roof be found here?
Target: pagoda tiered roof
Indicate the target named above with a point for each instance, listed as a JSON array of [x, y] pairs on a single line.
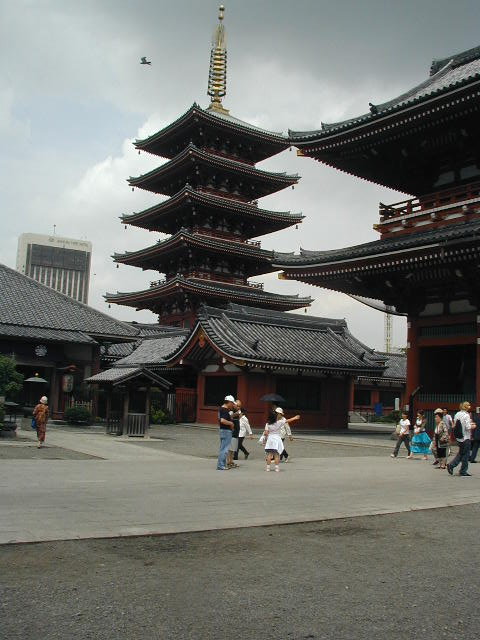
[[197, 125], [207, 289], [170, 177], [165, 215], [402, 143], [159, 255]]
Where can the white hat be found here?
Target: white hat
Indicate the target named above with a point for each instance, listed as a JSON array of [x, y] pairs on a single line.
[[44, 399], [279, 410], [229, 399]]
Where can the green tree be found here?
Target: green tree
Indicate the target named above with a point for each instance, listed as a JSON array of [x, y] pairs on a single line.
[[11, 381]]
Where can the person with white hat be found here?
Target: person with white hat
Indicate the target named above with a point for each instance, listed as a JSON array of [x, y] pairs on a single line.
[[40, 414], [225, 424], [285, 430]]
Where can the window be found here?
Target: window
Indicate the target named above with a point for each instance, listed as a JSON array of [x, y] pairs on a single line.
[[300, 393], [387, 398], [362, 398], [217, 387]]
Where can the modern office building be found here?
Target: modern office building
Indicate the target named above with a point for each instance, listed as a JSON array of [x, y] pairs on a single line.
[[60, 263]]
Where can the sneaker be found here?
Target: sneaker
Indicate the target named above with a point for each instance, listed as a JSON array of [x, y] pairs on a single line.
[[278, 470], [246, 455], [465, 474], [268, 468], [449, 469], [435, 463], [392, 455], [285, 459]]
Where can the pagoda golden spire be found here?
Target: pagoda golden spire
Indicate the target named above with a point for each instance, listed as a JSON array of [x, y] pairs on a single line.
[[217, 77]]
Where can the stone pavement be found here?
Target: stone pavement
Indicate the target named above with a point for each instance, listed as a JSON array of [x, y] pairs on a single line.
[[136, 490]]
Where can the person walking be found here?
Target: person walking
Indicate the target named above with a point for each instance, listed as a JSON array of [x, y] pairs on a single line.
[[462, 425], [41, 413], [225, 425], [273, 443], [441, 440], [421, 441], [233, 449], [475, 438], [403, 436], [285, 430], [245, 429]]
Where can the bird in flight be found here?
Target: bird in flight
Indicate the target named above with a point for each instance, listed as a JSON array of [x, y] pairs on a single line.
[[145, 61]]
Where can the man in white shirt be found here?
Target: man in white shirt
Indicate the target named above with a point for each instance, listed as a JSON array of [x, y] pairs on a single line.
[[464, 442]]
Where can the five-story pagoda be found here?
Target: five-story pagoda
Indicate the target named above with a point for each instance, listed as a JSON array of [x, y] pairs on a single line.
[[212, 211]]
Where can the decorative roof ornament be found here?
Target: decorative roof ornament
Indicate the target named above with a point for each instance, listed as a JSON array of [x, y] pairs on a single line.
[[217, 76]]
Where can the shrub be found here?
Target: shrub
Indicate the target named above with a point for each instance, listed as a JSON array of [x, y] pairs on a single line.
[[160, 416], [75, 415], [392, 417], [2, 416]]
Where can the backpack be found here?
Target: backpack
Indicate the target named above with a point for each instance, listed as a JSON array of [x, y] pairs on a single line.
[[458, 430]]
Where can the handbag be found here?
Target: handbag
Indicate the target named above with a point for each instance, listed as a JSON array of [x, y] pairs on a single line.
[[398, 428], [34, 423]]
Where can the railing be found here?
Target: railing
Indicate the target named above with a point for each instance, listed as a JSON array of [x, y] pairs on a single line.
[[434, 203], [444, 331], [84, 404], [157, 283], [114, 424], [444, 398], [136, 424], [225, 235]]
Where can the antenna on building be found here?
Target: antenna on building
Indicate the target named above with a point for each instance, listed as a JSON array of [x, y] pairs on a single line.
[[54, 228], [388, 330], [217, 76]]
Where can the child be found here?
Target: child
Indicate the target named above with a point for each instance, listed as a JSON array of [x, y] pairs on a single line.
[[421, 441], [403, 436], [273, 444]]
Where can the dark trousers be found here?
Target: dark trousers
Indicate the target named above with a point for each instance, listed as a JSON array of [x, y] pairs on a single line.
[[284, 453], [462, 456], [475, 446], [240, 448], [406, 441]]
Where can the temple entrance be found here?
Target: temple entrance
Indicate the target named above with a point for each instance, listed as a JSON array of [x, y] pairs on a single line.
[[448, 370]]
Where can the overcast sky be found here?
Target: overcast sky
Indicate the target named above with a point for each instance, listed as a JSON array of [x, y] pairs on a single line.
[[73, 96]]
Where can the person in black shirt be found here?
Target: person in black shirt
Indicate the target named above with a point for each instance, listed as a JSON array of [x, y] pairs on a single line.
[[233, 449], [226, 425]]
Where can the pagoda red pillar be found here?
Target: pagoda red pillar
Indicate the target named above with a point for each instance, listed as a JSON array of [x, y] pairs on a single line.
[[413, 359]]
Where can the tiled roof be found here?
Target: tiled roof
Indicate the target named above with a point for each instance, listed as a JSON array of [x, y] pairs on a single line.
[[154, 351], [284, 340], [145, 218], [387, 245], [448, 74], [24, 302], [117, 376], [210, 288], [226, 120], [270, 181], [396, 364], [43, 334]]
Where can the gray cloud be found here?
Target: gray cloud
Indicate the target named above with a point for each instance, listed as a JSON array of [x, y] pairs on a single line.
[[73, 96]]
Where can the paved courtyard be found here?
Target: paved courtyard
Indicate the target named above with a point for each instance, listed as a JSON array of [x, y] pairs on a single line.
[[140, 540], [126, 487]]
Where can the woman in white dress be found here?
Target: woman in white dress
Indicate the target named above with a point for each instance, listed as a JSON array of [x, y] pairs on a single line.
[[273, 443]]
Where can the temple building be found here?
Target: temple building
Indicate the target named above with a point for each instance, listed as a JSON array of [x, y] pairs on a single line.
[[212, 212], [219, 333], [425, 265]]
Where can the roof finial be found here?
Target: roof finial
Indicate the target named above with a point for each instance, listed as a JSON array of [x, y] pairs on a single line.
[[217, 77]]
